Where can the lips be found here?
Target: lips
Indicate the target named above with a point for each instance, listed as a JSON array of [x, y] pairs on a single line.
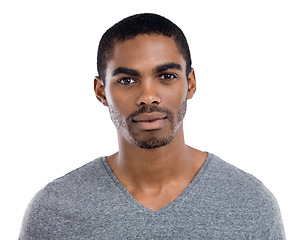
[[149, 117], [150, 121]]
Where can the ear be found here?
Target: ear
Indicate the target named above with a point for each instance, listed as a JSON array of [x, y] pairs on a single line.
[[191, 84], [99, 90]]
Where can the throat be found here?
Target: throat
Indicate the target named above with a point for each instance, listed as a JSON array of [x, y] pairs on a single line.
[[157, 179], [156, 200]]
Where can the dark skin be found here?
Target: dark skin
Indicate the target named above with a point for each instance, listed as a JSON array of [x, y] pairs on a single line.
[[149, 70]]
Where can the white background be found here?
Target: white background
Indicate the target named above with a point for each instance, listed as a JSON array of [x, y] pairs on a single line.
[[248, 58]]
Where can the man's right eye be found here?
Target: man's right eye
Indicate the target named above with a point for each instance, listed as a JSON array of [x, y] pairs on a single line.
[[126, 81]]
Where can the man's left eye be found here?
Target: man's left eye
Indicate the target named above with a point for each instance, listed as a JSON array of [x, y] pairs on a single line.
[[167, 76]]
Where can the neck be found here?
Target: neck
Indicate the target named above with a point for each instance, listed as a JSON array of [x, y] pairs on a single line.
[[143, 168]]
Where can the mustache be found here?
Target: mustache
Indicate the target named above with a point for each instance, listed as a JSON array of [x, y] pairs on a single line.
[[150, 109]]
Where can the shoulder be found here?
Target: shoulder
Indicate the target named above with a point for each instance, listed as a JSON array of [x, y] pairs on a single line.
[[79, 181], [236, 182], [65, 196], [225, 173], [240, 192], [85, 172]]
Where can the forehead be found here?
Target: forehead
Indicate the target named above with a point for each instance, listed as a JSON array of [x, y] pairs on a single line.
[[144, 52]]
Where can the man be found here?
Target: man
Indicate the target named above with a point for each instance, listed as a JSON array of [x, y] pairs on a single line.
[[155, 186]]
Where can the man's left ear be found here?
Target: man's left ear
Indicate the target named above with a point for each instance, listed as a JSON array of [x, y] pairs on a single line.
[[191, 84]]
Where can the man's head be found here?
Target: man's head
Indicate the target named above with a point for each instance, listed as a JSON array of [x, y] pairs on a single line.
[[147, 82], [135, 25]]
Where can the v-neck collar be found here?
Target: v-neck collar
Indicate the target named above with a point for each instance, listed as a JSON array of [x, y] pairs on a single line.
[[171, 204]]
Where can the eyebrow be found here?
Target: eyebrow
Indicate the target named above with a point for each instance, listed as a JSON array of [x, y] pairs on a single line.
[[128, 71], [166, 66], [157, 69]]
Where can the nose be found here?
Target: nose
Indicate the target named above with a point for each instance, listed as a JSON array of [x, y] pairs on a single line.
[[148, 94]]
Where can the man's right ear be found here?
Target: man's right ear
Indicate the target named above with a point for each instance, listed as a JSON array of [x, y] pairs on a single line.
[[99, 90]]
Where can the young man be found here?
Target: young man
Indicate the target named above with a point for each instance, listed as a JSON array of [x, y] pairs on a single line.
[[155, 186]]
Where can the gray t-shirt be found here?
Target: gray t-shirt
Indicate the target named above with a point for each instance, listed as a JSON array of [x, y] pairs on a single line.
[[222, 202]]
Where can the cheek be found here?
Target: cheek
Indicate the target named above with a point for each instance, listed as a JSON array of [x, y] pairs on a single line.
[[118, 101], [177, 96]]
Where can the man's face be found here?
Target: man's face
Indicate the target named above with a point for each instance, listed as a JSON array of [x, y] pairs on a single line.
[[147, 89]]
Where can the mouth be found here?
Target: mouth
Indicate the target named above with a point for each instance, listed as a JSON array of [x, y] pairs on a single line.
[[150, 121], [149, 117]]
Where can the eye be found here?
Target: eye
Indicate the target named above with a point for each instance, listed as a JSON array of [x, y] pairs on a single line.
[[167, 76], [126, 81]]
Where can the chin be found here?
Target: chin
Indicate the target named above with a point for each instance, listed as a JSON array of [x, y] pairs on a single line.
[[152, 142]]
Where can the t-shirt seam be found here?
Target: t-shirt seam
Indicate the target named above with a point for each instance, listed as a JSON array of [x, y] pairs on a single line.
[[163, 210], [112, 176]]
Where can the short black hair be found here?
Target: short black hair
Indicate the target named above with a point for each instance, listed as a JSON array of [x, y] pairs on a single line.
[[139, 24]]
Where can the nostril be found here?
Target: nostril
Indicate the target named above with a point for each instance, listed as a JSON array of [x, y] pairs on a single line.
[[149, 103], [148, 95]]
